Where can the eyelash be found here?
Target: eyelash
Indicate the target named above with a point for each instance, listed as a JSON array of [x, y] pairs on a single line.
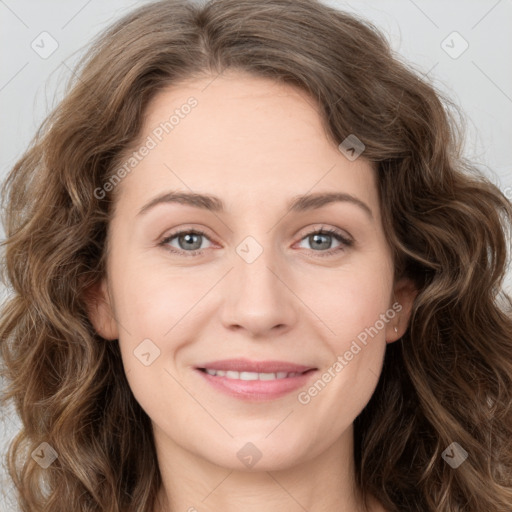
[[345, 242]]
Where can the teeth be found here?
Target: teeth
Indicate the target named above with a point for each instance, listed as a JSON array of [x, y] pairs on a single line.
[[245, 375], [229, 374]]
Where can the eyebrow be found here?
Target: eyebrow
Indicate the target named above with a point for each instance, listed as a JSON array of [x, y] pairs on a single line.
[[212, 203]]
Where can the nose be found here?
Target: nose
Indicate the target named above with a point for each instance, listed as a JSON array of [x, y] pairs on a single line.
[[259, 297]]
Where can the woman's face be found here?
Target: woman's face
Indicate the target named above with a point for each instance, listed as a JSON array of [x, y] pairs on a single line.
[[259, 286]]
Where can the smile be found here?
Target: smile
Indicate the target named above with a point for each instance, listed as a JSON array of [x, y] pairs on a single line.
[[255, 386], [229, 374]]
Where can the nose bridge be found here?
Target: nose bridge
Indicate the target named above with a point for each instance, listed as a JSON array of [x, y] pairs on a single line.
[[253, 267], [258, 300]]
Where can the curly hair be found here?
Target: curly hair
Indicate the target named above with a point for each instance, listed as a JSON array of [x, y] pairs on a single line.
[[448, 379]]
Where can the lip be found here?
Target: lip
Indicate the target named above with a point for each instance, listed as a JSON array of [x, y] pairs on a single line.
[[245, 365], [256, 390]]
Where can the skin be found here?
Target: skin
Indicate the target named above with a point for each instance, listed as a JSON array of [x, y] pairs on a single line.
[[255, 144]]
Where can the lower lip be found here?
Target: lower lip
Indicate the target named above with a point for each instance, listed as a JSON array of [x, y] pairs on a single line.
[[257, 390]]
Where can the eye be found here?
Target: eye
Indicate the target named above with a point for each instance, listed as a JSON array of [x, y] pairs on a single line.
[[188, 240], [322, 239]]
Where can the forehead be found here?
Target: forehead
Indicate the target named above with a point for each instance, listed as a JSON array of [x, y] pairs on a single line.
[[244, 137]]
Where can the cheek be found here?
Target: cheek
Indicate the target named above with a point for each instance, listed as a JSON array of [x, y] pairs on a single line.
[[353, 305], [350, 300], [152, 298], [348, 378], [151, 307]]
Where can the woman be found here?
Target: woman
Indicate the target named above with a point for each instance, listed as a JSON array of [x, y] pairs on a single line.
[[253, 273]]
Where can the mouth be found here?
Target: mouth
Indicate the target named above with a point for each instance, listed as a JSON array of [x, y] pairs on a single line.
[[255, 381], [247, 376]]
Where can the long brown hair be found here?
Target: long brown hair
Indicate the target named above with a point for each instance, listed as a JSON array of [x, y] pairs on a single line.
[[449, 379]]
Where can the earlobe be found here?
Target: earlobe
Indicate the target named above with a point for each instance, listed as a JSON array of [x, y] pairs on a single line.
[[100, 311], [404, 294]]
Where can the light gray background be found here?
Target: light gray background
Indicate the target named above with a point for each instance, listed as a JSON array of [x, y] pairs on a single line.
[[479, 80]]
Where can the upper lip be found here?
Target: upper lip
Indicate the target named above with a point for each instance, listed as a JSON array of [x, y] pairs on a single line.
[[245, 365]]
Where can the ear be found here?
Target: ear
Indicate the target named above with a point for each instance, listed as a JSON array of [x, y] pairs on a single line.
[[100, 311], [404, 293]]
